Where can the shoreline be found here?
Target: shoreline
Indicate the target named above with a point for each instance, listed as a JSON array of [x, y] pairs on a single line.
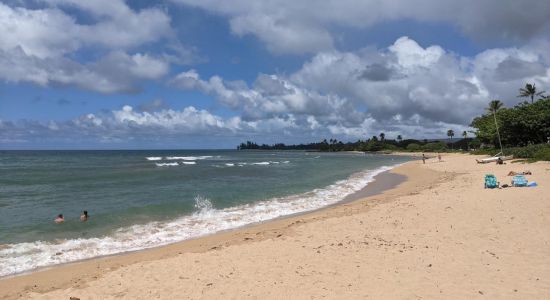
[[40, 280], [381, 182], [367, 177], [421, 235]]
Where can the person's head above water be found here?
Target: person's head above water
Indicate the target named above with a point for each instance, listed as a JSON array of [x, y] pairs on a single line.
[[84, 216], [59, 219]]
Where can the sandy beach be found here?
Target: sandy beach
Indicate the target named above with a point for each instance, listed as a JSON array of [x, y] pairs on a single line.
[[437, 235]]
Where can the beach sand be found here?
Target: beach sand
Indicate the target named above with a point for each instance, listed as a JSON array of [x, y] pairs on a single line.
[[439, 234]]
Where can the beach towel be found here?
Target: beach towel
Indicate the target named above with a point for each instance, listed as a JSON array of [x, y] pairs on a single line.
[[519, 180], [491, 181]]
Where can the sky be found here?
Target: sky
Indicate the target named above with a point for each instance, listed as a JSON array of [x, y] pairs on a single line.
[[201, 74]]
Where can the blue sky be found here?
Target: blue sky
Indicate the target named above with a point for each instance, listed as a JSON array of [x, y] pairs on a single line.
[[211, 74]]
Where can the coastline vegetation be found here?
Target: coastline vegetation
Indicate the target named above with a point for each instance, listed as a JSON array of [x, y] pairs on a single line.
[[522, 131]]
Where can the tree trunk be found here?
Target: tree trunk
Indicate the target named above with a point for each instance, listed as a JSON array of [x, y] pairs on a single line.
[[498, 134]]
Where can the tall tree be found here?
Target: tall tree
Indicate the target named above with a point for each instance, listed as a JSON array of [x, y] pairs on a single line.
[[382, 137], [529, 91], [450, 134], [494, 106], [464, 134], [399, 138]]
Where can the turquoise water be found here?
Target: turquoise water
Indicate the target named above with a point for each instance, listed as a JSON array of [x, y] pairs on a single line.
[[142, 199]]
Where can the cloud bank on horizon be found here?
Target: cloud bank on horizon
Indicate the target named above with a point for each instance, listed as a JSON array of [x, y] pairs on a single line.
[[113, 47]]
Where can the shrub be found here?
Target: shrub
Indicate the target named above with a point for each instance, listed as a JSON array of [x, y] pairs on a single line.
[[433, 147], [543, 154], [527, 151], [413, 147], [533, 152]]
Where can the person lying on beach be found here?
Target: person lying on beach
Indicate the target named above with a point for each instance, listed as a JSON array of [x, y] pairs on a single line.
[[512, 173], [59, 219], [84, 216]]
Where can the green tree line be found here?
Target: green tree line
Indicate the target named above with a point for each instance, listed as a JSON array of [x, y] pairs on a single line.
[[521, 125]]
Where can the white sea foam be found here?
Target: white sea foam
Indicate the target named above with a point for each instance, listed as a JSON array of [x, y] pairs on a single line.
[[189, 162], [230, 164], [166, 164], [16, 258], [154, 158], [188, 158], [263, 163]]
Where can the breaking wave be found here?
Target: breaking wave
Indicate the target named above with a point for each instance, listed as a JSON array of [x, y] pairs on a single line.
[[166, 164]]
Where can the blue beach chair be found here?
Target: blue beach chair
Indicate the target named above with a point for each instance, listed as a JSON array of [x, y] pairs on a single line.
[[519, 180], [491, 181]]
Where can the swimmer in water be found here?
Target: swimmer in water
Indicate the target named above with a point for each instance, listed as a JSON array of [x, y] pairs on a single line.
[[59, 219], [84, 216]]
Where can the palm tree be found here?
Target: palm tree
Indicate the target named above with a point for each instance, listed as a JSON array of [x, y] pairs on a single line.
[[494, 106], [450, 134], [399, 138], [529, 91], [464, 136], [382, 137]]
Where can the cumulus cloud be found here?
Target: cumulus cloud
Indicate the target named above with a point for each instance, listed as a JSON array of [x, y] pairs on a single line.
[[283, 37], [115, 72], [512, 68], [162, 127], [433, 83], [299, 26], [50, 32], [271, 96], [38, 45], [378, 72], [405, 89]]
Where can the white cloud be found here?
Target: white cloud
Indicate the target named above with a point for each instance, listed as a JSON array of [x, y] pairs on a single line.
[[39, 45], [188, 120], [41, 33], [411, 90], [142, 66], [50, 32], [300, 26], [151, 127], [116, 72], [283, 37], [270, 96], [410, 55]]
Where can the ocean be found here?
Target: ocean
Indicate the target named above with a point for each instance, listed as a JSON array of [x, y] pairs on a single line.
[[148, 198]]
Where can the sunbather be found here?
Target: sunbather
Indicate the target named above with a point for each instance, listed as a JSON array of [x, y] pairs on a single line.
[[512, 173]]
